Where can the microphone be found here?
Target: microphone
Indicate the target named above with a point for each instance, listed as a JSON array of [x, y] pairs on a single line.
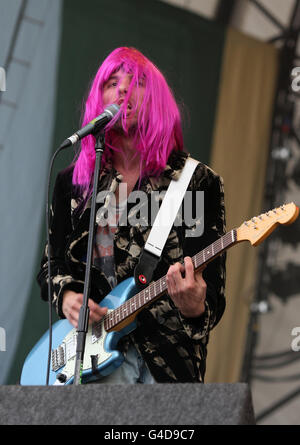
[[94, 126]]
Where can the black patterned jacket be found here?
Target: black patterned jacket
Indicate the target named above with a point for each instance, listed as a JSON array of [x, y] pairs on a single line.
[[174, 347]]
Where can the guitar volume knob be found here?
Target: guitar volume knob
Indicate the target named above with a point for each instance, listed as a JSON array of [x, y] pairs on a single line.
[[62, 378]]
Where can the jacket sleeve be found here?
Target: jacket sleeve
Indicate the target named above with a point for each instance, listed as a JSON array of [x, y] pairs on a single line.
[[208, 181], [60, 228]]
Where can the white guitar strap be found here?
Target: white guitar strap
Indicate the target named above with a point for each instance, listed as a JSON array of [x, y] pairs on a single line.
[[163, 223]]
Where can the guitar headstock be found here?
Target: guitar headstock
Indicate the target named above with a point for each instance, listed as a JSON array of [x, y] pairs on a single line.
[[258, 228]]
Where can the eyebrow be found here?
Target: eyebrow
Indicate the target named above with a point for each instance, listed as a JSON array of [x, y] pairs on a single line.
[[112, 78], [116, 77]]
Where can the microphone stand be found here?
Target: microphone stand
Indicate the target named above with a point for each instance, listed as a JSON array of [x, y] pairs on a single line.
[[84, 310]]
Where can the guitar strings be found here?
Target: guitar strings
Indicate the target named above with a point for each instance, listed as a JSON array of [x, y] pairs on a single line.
[[200, 258]]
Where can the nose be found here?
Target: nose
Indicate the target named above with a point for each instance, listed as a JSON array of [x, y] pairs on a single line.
[[123, 85]]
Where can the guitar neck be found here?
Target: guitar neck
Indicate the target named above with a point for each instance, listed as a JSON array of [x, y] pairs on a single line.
[[116, 319]]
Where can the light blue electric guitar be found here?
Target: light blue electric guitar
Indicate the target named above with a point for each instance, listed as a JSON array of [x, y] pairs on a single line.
[[124, 303]]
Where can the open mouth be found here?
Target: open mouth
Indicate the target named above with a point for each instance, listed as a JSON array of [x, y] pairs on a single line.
[[129, 106]]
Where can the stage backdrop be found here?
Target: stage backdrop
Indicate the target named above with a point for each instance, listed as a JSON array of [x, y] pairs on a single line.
[[239, 152], [202, 62]]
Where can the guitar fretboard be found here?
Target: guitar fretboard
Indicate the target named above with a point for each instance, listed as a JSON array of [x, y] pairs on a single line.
[[159, 287]]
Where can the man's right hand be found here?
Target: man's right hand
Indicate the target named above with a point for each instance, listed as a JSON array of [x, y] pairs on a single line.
[[72, 303]]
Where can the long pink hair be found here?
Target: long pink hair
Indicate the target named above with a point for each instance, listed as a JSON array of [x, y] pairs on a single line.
[[158, 131]]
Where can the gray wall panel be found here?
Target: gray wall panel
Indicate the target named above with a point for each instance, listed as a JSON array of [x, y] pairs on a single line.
[[24, 160]]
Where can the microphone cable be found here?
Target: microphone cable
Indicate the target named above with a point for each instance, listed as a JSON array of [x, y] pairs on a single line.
[[49, 261]]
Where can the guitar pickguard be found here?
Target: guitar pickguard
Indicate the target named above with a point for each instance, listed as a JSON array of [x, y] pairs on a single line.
[[101, 356]]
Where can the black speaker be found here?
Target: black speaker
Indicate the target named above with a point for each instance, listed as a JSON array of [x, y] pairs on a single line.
[[158, 404]]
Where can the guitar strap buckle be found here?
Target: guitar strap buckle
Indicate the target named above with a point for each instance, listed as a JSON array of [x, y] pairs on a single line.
[[145, 268]]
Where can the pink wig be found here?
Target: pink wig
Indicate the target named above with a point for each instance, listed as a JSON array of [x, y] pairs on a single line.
[[158, 130]]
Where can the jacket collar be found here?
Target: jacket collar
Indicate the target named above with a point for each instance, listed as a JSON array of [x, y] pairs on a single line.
[[171, 171], [175, 164]]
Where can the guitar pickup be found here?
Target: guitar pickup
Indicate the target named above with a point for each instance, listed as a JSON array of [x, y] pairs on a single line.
[[58, 357], [97, 329]]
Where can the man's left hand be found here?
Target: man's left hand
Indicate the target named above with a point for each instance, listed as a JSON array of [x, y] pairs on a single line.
[[188, 291]]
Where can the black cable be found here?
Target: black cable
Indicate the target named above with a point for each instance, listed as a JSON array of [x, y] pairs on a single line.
[[276, 364], [277, 405], [275, 355], [49, 266], [286, 378], [268, 14]]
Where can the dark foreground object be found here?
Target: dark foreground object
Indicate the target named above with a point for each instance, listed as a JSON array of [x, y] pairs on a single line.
[[159, 404]]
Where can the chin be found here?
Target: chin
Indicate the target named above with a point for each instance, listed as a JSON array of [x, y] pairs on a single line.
[[131, 125]]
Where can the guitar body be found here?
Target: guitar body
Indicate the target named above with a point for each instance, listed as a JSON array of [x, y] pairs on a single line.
[[100, 345]]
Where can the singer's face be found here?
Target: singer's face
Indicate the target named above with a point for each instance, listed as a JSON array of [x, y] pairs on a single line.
[[115, 90]]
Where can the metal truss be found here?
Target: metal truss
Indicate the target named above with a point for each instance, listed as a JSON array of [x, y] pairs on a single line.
[[282, 131]]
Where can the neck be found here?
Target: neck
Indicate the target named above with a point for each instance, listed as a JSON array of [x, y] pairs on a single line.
[[126, 159]]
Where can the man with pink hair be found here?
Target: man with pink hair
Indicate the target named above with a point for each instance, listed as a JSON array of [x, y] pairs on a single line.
[[144, 150]]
